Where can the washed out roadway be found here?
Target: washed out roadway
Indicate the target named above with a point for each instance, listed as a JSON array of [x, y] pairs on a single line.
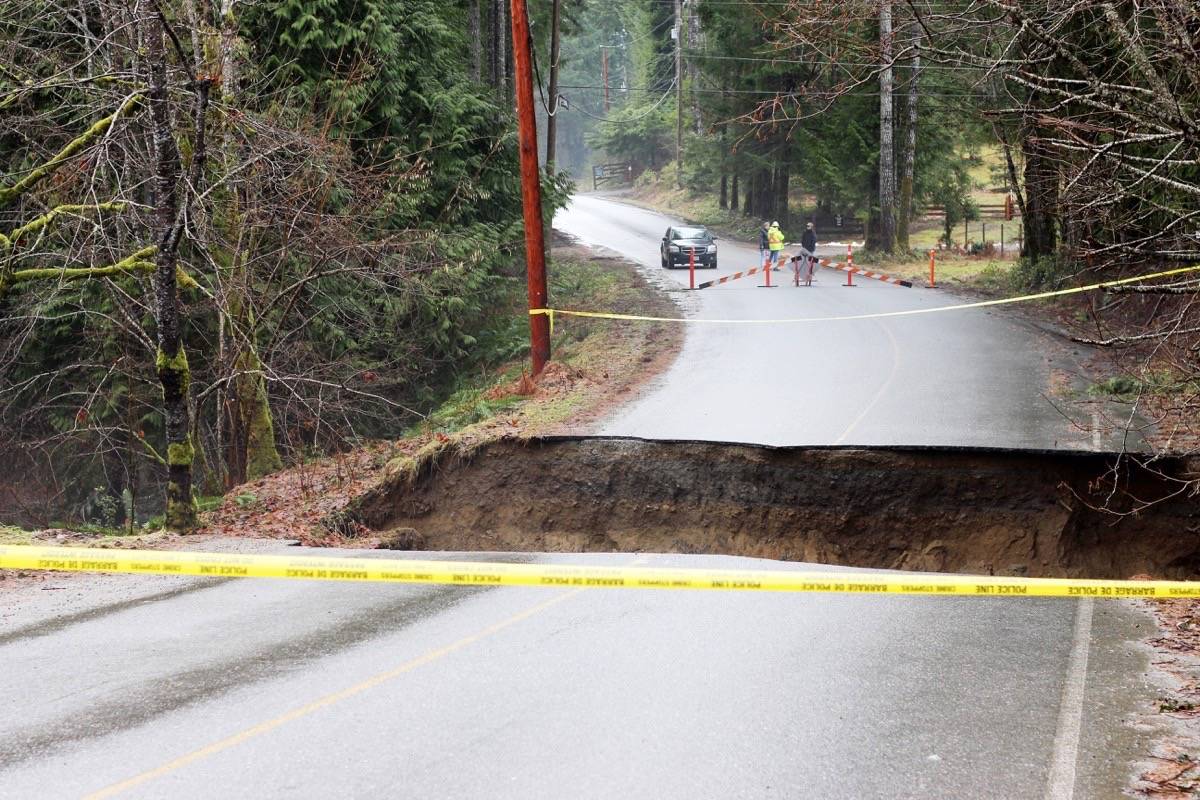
[[252, 688], [171, 687]]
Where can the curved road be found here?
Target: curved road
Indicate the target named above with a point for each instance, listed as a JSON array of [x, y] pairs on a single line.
[[152, 687], [970, 377]]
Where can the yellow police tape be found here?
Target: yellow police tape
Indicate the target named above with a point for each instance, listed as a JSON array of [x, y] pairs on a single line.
[[551, 312], [393, 570]]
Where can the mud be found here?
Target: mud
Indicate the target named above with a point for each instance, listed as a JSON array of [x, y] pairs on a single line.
[[970, 510]]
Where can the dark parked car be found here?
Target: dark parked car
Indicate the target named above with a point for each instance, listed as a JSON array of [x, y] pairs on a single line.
[[678, 245]]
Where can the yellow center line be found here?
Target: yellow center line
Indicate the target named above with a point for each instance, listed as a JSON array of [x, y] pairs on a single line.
[[324, 702]]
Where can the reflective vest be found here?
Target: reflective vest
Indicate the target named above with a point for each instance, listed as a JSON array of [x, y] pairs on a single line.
[[775, 239]]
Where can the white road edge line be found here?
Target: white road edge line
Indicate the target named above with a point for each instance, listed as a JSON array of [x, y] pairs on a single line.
[[1061, 783]]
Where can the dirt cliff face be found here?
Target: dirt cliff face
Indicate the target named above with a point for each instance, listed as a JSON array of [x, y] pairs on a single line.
[[988, 511]]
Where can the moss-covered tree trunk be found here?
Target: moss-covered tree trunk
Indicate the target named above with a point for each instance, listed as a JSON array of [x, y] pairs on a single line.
[[253, 453], [250, 451], [171, 363]]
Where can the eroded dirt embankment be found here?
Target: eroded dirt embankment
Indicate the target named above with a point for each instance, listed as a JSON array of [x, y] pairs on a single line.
[[1005, 512]]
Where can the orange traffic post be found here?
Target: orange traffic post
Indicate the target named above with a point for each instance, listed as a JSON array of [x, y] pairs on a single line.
[[849, 265], [692, 268], [767, 272], [932, 280]]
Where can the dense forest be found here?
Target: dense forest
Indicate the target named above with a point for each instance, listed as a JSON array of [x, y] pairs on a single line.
[[873, 107], [237, 234]]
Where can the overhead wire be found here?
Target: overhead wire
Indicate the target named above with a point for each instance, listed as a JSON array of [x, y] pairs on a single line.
[[623, 120], [653, 30], [771, 92], [813, 62]]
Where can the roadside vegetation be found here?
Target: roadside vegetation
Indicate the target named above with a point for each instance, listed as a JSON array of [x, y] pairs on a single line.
[[239, 236], [596, 365], [595, 362]]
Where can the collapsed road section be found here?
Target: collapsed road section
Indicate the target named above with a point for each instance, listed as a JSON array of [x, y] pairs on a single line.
[[1005, 512]]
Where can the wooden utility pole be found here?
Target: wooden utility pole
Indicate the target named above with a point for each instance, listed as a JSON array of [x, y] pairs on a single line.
[[531, 190], [552, 113], [679, 93]]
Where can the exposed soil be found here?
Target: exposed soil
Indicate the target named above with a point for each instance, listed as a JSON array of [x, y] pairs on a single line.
[[986, 511]]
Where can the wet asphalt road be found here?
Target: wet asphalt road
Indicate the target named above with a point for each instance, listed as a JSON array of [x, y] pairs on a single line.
[[973, 377], [297, 689]]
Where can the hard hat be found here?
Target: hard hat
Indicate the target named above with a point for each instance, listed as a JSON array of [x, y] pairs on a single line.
[[775, 224]]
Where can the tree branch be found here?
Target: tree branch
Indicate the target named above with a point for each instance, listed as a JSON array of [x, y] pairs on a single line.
[[9, 241], [98, 129], [133, 263]]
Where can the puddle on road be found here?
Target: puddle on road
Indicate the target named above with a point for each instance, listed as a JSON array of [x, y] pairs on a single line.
[[1002, 512]]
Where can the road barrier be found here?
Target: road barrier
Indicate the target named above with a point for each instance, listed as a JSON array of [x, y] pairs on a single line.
[[468, 573], [552, 312], [743, 274], [848, 268], [852, 270]]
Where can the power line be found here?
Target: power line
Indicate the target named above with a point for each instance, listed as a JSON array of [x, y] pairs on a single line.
[[816, 62], [655, 29], [647, 113], [798, 95]]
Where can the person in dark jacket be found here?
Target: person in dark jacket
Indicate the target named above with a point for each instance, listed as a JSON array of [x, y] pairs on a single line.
[[763, 244], [809, 240], [808, 252]]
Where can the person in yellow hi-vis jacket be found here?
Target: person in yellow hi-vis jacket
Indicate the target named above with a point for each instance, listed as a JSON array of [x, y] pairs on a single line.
[[774, 244]]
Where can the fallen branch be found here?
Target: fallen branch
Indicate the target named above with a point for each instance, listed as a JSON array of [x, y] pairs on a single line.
[[1131, 339], [1190, 288]]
